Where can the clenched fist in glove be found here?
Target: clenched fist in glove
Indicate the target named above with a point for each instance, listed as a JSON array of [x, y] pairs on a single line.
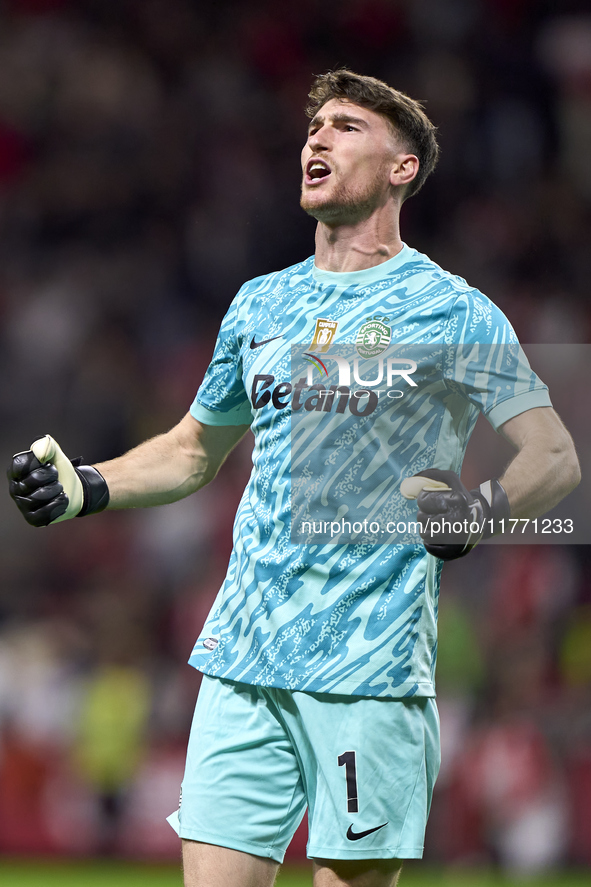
[[454, 519], [47, 487]]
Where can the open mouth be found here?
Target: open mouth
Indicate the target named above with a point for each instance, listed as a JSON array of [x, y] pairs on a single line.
[[316, 171]]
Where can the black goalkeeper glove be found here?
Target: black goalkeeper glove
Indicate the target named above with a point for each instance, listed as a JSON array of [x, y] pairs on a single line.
[[47, 487], [453, 519]]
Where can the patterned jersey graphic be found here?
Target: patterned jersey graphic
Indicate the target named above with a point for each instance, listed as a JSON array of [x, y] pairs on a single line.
[[343, 618]]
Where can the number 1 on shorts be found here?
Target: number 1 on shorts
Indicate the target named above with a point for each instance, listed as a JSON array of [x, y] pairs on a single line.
[[348, 760]]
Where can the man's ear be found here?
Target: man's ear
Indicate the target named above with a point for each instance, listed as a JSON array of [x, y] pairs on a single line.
[[404, 169]]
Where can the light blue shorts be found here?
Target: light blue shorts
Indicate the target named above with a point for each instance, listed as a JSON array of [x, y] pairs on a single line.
[[258, 756]]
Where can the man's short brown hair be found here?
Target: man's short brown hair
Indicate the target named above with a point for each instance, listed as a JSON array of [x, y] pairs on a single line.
[[406, 116]]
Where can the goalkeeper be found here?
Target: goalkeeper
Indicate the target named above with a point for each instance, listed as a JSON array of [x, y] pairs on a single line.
[[318, 660]]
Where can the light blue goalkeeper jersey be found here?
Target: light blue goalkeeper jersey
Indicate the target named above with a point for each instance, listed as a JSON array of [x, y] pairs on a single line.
[[349, 618]]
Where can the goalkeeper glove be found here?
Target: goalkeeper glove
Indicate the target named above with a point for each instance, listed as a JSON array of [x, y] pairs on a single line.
[[453, 519], [47, 487]]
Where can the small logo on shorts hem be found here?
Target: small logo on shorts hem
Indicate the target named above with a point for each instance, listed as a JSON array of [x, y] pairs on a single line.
[[355, 836], [210, 643]]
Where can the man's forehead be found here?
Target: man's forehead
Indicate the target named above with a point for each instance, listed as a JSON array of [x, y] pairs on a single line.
[[339, 109]]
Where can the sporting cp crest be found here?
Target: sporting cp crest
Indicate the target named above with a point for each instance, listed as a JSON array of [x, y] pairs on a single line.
[[373, 338]]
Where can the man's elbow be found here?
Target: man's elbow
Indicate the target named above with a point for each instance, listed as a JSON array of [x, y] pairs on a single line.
[[575, 472]]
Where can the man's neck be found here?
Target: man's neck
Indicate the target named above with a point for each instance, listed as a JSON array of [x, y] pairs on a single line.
[[356, 247]]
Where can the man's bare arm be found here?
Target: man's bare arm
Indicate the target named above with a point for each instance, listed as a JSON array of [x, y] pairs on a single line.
[[171, 466], [546, 467], [542, 473]]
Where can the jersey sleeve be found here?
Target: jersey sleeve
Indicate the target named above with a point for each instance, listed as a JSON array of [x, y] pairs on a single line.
[[221, 398], [485, 363]]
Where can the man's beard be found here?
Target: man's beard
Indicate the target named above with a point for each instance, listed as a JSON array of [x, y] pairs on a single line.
[[346, 206]]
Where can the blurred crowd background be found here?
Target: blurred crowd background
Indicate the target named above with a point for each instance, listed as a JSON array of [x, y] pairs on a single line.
[[149, 164]]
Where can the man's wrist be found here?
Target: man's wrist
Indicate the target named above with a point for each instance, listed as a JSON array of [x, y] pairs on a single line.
[[95, 490], [495, 504]]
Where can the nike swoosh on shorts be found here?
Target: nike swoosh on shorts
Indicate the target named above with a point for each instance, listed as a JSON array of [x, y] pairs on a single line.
[[254, 344], [355, 836]]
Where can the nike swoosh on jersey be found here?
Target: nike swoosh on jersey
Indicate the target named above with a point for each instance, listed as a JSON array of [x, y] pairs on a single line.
[[254, 344], [355, 836]]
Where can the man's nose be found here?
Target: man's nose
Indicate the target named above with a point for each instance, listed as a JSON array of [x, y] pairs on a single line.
[[320, 140]]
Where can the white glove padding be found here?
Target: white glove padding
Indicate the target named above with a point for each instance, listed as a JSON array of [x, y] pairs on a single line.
[[46, 449], [411, 487]]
